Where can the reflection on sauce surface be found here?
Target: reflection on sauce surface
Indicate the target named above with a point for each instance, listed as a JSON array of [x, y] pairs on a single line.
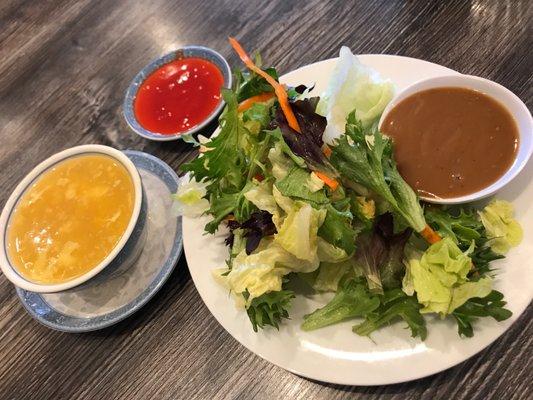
[[450, 142], [70, 218]]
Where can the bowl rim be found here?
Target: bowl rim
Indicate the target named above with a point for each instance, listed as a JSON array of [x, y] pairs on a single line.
[[5, 265], [131, 93], [517, 109]]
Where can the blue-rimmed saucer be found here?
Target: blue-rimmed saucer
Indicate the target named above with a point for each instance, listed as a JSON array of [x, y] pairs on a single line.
[[185, 52], [104, 304]]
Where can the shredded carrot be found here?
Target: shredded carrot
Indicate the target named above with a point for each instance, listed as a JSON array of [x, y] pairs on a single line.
[[326, 150], [281, 94], [260, 98], [332, 183], [430, 235]]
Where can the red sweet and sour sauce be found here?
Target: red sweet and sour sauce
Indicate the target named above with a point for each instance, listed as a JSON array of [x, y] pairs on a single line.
[[178, 95]]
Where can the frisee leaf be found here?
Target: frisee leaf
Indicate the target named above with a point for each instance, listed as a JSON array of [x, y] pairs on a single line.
[[364, 156], [489, 306], [223, 162], [460, 224], [229, 203], [337, 229], [269, 309], [395, 305], [351, 300]]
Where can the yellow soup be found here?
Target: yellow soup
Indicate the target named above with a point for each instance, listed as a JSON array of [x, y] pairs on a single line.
[[70, 218]]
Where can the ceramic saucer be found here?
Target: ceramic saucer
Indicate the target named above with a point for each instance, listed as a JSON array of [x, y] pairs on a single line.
[[101, 305]]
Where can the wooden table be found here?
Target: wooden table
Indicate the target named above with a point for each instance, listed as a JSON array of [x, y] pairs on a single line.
[[64, 67]]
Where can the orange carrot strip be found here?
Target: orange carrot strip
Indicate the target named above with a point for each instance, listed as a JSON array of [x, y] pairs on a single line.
[[249, 102], [326, 150], [281, 94], [430, 235], [332, 183]]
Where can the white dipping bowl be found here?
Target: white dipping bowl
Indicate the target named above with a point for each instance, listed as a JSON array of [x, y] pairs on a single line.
[[506, 98], [9, 270]]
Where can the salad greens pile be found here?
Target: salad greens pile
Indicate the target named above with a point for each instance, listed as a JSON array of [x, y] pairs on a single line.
[[325, 205]]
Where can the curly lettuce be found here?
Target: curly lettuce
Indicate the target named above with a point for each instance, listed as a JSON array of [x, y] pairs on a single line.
[[439, 278], [503, 230]]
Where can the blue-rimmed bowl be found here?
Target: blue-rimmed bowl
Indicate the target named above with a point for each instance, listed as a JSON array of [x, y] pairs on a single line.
[[185, 52], [119, 258]]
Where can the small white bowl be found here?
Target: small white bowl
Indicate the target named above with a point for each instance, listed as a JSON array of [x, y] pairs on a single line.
[[504, 96], [11, 273]]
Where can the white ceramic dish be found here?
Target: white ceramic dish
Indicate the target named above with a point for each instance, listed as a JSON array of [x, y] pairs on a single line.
[[504, 96], [334, 354], [11, 273]]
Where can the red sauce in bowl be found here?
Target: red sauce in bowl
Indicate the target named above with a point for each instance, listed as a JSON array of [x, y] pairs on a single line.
[[178, 95]]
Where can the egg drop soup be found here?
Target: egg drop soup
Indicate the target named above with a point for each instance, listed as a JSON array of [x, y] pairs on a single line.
[[70, 218]]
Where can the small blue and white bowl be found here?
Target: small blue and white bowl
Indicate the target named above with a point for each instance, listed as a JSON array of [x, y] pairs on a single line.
[[121, 256], [185, 52]]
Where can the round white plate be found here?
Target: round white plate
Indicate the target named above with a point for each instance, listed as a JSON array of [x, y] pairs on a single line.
[[335, 354]]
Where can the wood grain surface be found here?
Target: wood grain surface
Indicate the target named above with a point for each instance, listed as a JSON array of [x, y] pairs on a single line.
[[64, 67]]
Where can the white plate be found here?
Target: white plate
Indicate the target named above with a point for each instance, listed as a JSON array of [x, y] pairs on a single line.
[[335, 354]]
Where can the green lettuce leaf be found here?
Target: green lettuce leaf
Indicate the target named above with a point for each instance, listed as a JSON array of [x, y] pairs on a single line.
[[439, 278], [229, 203], [337, 229], [395, 305], [260, 194], [329, 275], [223, 162], [365, 157], [257, 117], [330, 253], [474, 308], [269, 309], [353, 86], [262, 271], [294, 185], [227, 165], [503, 230], [298, 233], [463, 226], [189, 199], [281, 158], [351, 300]]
